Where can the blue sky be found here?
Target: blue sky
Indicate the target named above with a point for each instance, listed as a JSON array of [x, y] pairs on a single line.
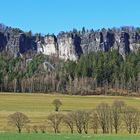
[[52, 16]]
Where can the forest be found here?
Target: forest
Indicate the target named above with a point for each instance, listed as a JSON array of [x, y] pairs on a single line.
[[92, 74]]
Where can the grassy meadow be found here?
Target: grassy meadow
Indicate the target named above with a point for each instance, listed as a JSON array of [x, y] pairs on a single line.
[[33, 136], [38, 106]]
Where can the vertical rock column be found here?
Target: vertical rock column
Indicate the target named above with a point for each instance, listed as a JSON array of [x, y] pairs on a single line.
[[3, 41], [124, 44], [69, 47]]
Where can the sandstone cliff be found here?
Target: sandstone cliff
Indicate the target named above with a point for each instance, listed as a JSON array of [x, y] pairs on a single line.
[[70, 45]]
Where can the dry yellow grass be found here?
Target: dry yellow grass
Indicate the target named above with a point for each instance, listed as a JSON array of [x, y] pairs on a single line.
[[38, 106]]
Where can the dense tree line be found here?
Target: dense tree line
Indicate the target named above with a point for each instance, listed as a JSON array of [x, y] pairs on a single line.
[[104, 118], [95, 73]]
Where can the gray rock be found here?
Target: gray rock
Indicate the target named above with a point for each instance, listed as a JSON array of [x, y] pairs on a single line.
[[3, 41], [70, 45], [124, 47]]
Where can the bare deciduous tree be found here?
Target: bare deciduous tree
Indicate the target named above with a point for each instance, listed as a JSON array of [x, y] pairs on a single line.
[[69, 121], [86, 119], [94, 122], [42, 128], [131, 115], [57, 103], [35, 128], [103, 112], [136, 122], [81, 119], [116, 114], [19, 120], [55, 119], [78, 119], [111, 121]]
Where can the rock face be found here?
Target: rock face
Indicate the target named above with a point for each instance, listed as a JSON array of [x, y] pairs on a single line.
[[124, 47], [16, 42], [65, 46], [49, 47], [3, 41], [70, 45]]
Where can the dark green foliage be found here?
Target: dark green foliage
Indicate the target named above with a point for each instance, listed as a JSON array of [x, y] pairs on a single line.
[[138, 30], [33, 65], [86, 74], [102, 66]]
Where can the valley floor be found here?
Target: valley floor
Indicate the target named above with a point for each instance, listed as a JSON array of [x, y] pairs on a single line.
[[38, 106]]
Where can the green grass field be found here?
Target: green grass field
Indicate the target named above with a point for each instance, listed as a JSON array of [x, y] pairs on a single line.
[[25, 136]]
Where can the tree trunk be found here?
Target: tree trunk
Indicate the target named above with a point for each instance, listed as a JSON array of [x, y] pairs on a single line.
[[19, 130]]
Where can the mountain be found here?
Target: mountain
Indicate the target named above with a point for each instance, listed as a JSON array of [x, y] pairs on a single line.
[[69, 45]]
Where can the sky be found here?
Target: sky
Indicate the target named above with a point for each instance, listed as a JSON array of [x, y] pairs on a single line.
[[53, 16]]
